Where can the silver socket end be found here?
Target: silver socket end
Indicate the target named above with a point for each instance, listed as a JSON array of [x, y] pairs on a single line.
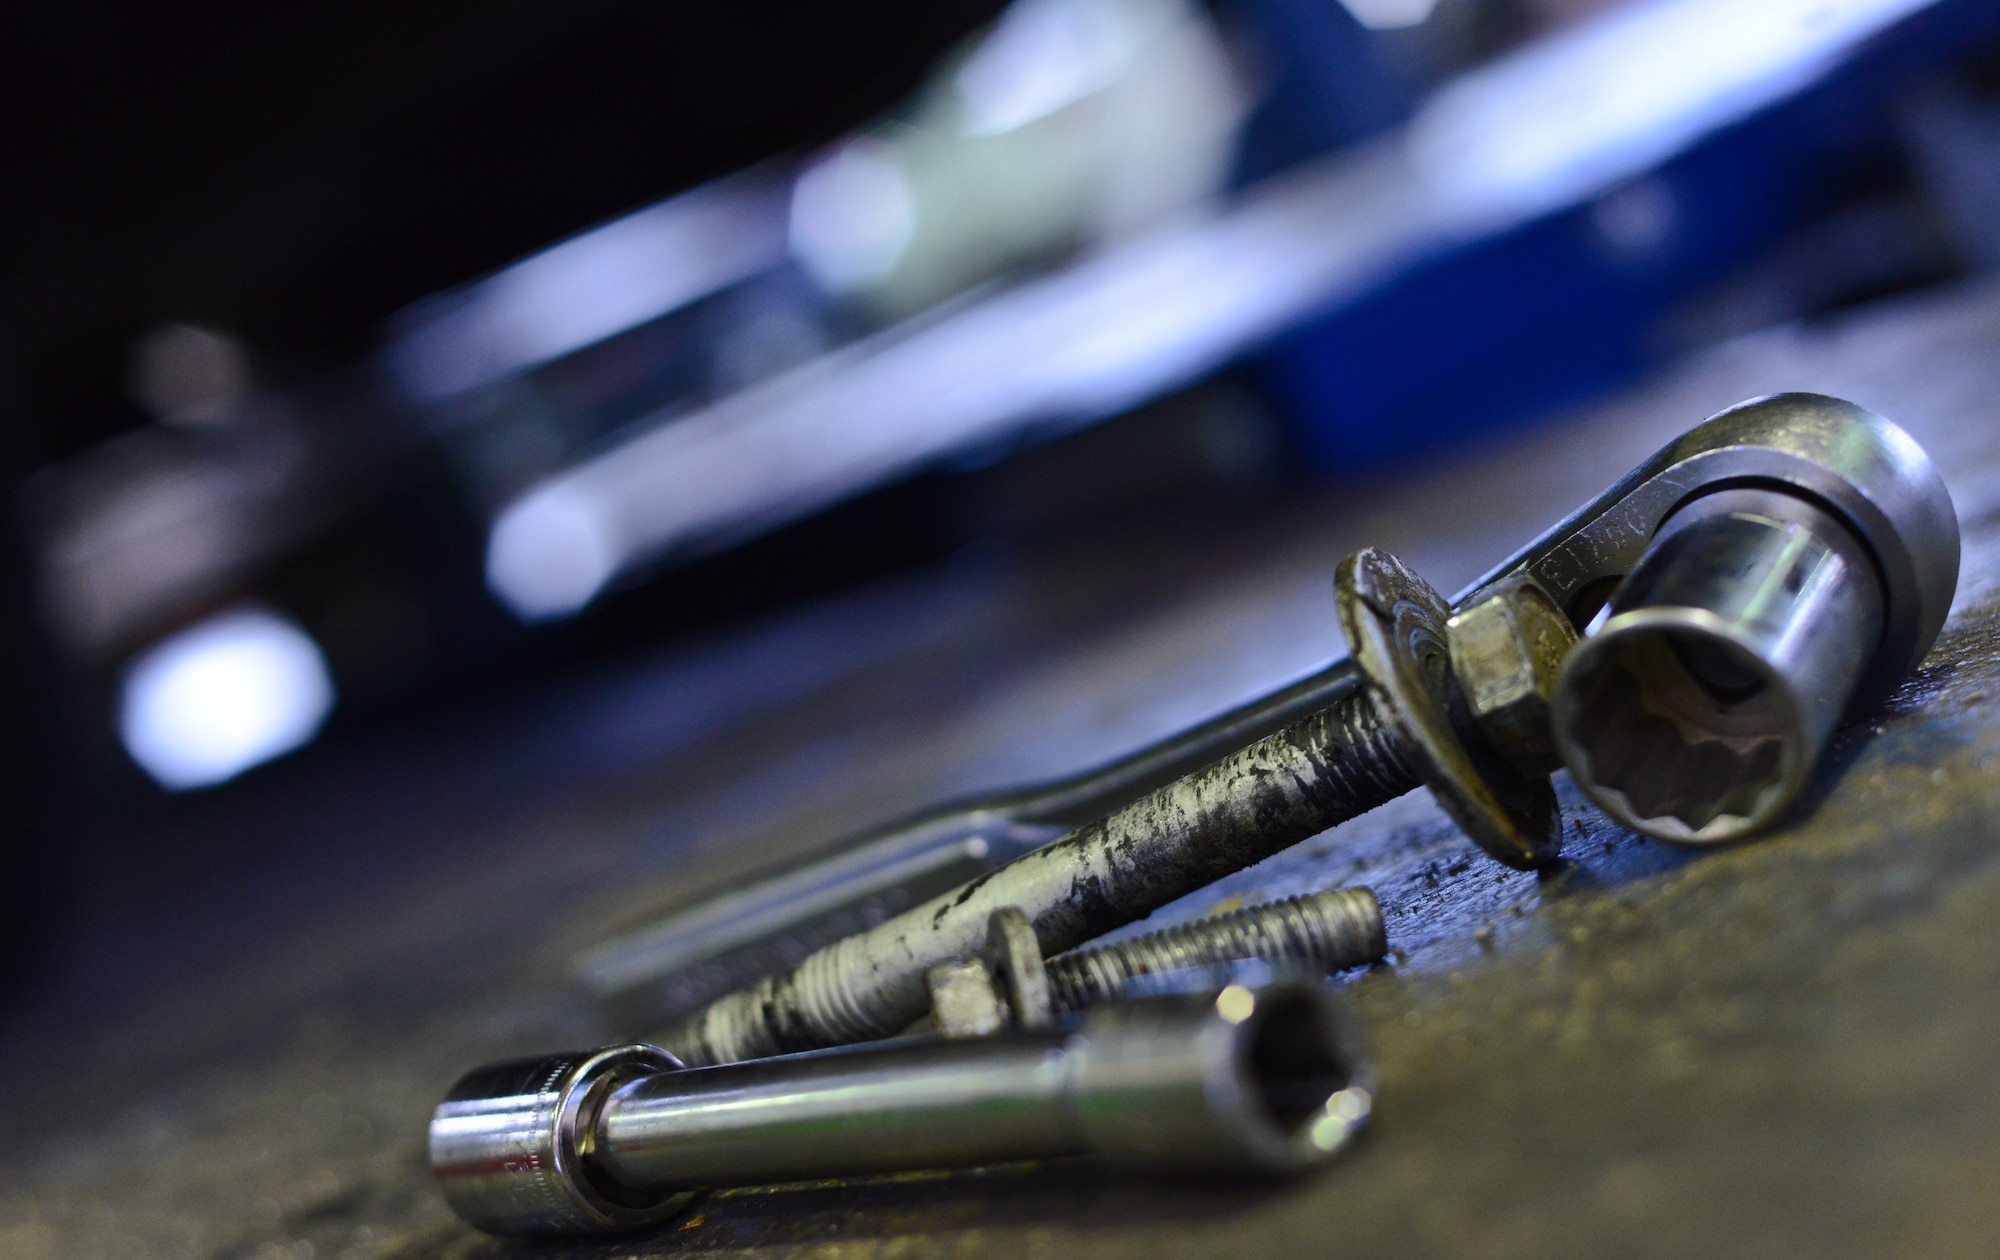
[[1250, 1081], [510, 1145], [1697, 711], [1243, 1082], [1266, 1081]]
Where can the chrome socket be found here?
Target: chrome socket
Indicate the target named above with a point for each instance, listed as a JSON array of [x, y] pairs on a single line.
[[1245, 1082]]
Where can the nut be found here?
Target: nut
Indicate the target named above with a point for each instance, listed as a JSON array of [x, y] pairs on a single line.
[[965, 1000], [1507, 648]]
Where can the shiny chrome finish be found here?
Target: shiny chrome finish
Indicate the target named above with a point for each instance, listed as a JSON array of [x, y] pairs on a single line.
[[1245, 1082], [1798, 586], [1696, 712], [510, 1144], [1868, 473]]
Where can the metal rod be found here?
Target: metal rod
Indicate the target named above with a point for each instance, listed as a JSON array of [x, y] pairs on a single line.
[[1330, 931]]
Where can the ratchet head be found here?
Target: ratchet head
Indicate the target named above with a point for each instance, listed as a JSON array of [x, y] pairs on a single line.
[[1799, 562]]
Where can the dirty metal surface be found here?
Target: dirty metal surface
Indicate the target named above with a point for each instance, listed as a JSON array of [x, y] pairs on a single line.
[[1783, 1046], [1322, 769]]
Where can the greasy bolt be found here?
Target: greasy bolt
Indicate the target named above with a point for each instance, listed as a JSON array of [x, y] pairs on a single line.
[[1507, 648], [1398, 727], [1394, 715]]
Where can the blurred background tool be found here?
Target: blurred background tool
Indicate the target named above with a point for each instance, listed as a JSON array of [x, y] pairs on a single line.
[[1403, 225]]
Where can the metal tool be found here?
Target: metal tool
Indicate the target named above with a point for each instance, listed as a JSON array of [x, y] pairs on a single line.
[[674, 966], [1249, 1081], [1406, 727], [678, 964], [1402, 716], [1010, 985], [1753, 625]]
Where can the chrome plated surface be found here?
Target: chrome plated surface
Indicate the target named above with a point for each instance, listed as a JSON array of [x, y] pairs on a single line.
[[508, 1144], [1869, 473], [1246, 1081], [1827, 604], [1698, 709], [1250, 1081]]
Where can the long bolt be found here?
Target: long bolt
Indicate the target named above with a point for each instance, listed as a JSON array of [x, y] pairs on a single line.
[[1309, 776], [1330, 931], [1313, 774]]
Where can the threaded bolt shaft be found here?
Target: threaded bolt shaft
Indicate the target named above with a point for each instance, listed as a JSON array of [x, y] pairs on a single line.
[[1309, 776], [1332, 930], [1302, 779]]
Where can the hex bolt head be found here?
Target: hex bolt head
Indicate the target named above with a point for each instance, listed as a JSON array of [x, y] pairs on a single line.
[[1395, 623], [1507, 649], [965, 999]]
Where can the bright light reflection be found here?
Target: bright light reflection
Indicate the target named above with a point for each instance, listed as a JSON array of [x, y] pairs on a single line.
[[549, 554], [1236, 1004], [214, 700], [1615, 97], [1389, 15], [591, 287], [1043, 55], [1570, 120], [853, 214]]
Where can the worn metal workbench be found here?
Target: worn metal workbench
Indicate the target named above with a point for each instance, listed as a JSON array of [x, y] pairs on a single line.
[[1783, 1046]]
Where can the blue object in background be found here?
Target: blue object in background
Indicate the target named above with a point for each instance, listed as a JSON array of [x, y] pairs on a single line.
[[1572, 305], [1324, 78]]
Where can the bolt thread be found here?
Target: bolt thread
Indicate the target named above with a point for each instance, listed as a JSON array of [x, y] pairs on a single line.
[[1331, 930], [1294, 784]]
